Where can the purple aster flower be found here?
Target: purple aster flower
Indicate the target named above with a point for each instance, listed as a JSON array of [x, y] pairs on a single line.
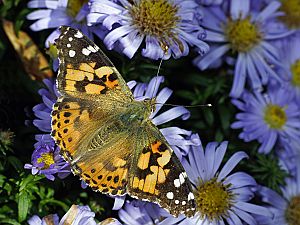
[[269, 118], [43, 110], [167, 26], [46, 160], [219, 196], [51, 219], [245, 34], [290, 55], [79, 215], [76, 215], [289, 13], [288, 157], [285, 206], [139, 213], [55, 13]]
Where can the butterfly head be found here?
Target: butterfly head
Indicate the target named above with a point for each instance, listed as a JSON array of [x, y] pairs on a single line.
[[150, 104]]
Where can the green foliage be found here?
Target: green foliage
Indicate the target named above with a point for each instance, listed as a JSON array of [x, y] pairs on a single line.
[[266, 170]]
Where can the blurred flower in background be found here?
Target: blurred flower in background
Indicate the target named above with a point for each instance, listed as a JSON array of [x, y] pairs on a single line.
[[168, 27], [269, 117], [290, 55], [77, 215], [290, 13], [285, 206], [55, 13], [246, 34]]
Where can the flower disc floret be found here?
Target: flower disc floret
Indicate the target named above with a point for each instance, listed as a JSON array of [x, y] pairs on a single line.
[[242, 34], [74, 6], [295, 69], [47, 159], [213, 199], [291, 8], [292, 212], [157, 18], [275, 116]]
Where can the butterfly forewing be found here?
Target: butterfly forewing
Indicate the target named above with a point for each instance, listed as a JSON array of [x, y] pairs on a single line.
[[93, 124], [84, 70]]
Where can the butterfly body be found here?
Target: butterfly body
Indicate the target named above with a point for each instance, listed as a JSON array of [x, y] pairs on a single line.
[[107, 136]]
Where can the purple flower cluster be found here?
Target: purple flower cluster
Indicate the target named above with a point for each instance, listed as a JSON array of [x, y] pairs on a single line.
[[77, 215], [124, 25]]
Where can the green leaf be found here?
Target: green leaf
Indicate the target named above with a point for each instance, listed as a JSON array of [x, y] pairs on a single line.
[[15, 162], [54, 202], [208, 116], [25, 182], [225, 116], [23, 206], [9, 221]]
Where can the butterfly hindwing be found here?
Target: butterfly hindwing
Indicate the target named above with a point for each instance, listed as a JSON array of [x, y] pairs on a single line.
[[84, 70], [94, 143], [156, 175]]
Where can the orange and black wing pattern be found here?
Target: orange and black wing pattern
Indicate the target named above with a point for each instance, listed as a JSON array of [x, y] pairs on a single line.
[[84, 70]]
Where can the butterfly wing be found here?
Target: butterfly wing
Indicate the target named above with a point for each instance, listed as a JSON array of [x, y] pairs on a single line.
[[84, 70], [83, 118], [102, 149], [156, 174]]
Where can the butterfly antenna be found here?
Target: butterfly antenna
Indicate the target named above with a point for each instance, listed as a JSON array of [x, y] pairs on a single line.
[[159, 66], [187, 106]]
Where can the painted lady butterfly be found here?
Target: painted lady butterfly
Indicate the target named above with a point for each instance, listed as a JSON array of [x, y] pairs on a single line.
[[107, 136]]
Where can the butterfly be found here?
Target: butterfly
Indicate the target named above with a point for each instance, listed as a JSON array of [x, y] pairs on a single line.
[[106, 135]]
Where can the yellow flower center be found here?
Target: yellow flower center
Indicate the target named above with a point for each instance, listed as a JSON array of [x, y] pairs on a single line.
[[213, 199], [242, 34], [74, 6], [292, 213], [291, 8], [155, 18], [47, 159], [275, 116], [295, 69]]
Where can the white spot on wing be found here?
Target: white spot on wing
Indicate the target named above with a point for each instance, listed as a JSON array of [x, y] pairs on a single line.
[[191, 196], [70, 39], [181, 178], [86, 51], [72, 53], [68, 45], [91, 48], [177, 183], [78, 35], [170, 195], [183, 202], [176, 202]]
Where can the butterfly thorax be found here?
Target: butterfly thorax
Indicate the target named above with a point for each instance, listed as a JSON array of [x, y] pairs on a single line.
[[138, 112]]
